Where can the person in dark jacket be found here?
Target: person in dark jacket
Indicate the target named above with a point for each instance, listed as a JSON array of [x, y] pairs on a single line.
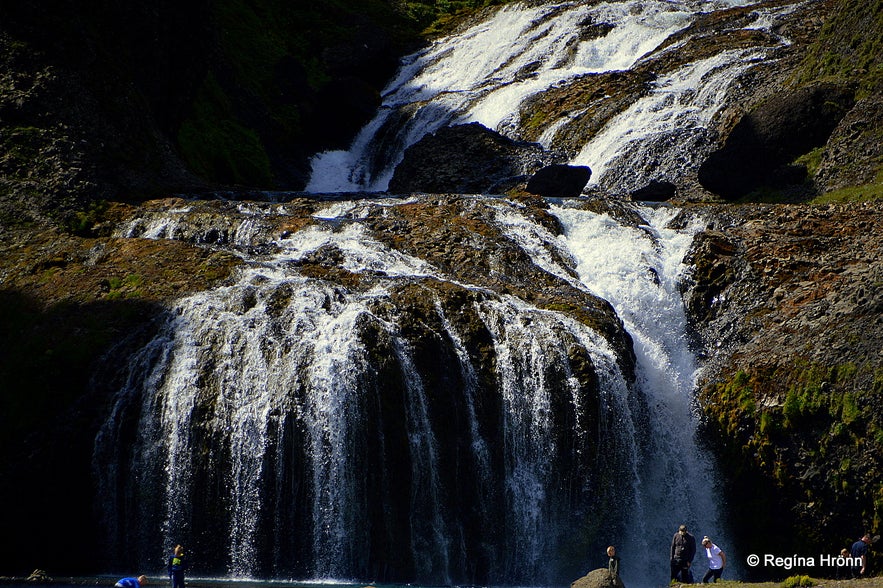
[[683, 550], [859, 551], [177, 565]]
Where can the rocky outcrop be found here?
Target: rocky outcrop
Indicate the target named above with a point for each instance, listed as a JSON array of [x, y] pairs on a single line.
[[467, 159], [600, 578], [559, 181], [655, 191], [765, 141], [788, 305], [854, 152]]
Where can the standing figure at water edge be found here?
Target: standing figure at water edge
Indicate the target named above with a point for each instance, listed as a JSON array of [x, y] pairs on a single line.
[[177, 565], [613, 563], [683, 550], [717, 559]]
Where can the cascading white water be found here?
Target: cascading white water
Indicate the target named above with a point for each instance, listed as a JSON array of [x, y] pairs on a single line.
[[485, 73], [637, 269], [661, 136], [641, 282], [241, 375], [239, 372]]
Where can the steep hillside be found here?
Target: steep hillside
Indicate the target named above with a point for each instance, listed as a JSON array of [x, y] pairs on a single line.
[[100, 102], [788, 303]]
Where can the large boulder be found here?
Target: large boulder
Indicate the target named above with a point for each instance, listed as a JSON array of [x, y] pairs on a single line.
[[559, 181], [467, 159], [655, 191], [600, 578], [762, 144]]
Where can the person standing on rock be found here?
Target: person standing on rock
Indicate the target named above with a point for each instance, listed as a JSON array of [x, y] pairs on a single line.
[[683, 550], [177, 565], [717, 559], [613, 563]]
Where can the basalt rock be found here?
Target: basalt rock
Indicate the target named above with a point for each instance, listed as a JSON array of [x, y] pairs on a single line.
[[559, 181], [467, 159], [787, 305], [855, 148], [761, 145], [600, 578], [655, 191]]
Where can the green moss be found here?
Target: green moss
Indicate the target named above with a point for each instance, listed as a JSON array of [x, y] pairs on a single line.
[[82, 222], [811, 160], [797, 581], [864, 193], [850, 410], [731, 402], [436, 16], [217, 146], [769, 423], [848, 47], [127, 287]]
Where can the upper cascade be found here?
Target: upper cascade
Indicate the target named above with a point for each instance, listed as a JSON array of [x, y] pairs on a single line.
[[604, 85]]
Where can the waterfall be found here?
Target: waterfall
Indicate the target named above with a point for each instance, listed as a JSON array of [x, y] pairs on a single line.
[[341, 409], [288, 426], [486, 73], [292, 426], [675, 477], [662, 135], [637, 268]]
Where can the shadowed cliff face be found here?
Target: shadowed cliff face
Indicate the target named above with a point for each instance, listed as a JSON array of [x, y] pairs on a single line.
[[102, 102]]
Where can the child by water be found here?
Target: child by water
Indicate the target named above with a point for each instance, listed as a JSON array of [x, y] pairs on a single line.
[[131, 582], [613, 563]]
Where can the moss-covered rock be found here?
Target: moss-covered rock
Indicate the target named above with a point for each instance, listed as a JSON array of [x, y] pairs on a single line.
[[788, 303]]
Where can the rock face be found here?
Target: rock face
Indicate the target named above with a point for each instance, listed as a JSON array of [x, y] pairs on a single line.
[[788, 304], [151, 98], [655, 191], [466, 159], [855, 148], [600, 578], [762, 144], [559, 181]]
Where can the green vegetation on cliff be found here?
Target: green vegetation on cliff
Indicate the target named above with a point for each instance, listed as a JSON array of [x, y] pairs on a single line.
[[849, 47], [783, 425], [297, 78]]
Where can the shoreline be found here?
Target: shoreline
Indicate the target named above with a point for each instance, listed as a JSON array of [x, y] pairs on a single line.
[[197, 582]]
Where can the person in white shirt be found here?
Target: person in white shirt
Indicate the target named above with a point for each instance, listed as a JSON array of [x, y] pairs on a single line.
[[717, 559]]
